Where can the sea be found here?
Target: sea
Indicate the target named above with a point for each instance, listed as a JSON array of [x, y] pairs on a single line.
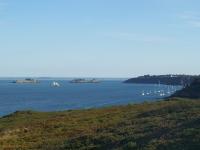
[[70, 96]]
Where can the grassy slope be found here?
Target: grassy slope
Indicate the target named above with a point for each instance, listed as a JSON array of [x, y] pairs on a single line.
[[173, 124]]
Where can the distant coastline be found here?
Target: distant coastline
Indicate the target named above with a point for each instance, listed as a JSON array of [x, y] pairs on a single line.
[[170, 79], [81, 80]]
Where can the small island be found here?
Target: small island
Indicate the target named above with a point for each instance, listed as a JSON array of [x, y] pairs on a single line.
[[27, 80]]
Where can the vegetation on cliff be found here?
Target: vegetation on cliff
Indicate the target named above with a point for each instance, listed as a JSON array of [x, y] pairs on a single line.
[[190, 91], [168, 125]]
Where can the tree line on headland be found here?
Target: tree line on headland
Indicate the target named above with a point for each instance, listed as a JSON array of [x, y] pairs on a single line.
[[183, 80]]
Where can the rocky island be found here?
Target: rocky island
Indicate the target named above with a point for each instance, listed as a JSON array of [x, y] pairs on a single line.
[[27, 80]]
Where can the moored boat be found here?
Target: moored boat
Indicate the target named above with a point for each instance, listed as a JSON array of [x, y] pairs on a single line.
[[55, 84]]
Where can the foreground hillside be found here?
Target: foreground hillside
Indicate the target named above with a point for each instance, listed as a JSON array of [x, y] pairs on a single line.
[[166, 125]]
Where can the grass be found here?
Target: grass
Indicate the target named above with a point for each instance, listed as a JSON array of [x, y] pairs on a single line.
[[168, 125]]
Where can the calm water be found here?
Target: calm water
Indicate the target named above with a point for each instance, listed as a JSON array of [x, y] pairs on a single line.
[[43, 97]]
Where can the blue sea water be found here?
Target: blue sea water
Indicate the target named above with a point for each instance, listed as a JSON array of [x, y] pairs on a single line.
[[43, 97]]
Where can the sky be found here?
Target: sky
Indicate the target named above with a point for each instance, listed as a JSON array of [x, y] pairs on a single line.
[[99, 38]]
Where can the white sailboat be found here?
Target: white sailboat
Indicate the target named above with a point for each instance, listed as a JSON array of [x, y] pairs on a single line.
[[168, 92], [162, 94], [55, 84]]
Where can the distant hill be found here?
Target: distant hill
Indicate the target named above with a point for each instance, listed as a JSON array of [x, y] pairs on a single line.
[[190, 91], [163, 79]]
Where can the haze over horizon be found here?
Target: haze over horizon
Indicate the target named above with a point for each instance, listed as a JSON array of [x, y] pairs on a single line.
[[99, 38]]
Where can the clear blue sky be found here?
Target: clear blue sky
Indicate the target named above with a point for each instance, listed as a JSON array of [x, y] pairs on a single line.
[[99, 38]]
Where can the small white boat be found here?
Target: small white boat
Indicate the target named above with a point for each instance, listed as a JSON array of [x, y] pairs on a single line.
[[143, 94], [162, 94], [55, 84]]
